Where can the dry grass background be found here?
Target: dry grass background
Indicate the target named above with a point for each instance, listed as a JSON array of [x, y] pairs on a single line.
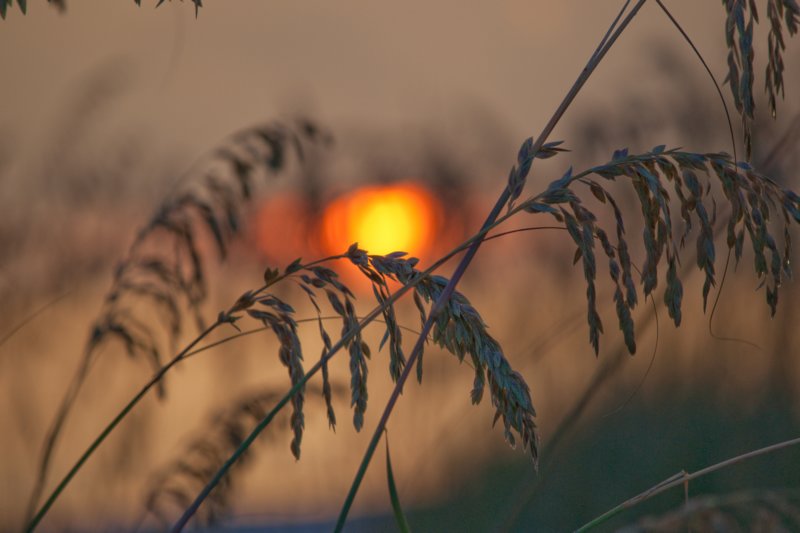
[[70, 214]]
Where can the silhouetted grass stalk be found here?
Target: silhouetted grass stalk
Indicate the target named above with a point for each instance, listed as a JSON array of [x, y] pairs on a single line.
[[372, 315], [605, 45], [111, 426], [682, 478], [491, 221], [33, 523], [459, 327], [213, 203], [183, 354], [609, 368]]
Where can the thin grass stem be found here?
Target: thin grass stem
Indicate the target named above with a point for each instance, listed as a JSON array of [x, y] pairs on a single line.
[[594, 60], [372, 315], [266, 328], [680, 479], [110, 427], [183, 354]]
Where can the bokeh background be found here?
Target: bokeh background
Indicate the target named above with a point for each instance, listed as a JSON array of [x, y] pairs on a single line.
[[107, 107]]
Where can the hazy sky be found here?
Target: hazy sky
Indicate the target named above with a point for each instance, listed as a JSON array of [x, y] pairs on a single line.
[[190, 81]]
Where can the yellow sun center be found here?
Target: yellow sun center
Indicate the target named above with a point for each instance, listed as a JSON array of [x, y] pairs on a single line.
[[382, 220]]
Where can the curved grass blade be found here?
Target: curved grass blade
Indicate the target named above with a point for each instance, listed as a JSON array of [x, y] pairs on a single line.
[[399, 515]]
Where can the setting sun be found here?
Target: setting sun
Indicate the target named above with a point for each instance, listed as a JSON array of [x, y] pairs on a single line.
[[382, 219]]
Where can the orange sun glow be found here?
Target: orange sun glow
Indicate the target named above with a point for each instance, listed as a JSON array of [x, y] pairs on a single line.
[[383, 219]]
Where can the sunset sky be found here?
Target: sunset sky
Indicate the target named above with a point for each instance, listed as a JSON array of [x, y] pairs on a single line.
[[108, 106], [188, 81]]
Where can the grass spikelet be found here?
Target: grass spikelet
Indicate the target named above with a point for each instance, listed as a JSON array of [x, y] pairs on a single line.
[[165, 264], [754, 199], [460, 329], [741, 17], [172, 486], [167, 267], [278, 317]]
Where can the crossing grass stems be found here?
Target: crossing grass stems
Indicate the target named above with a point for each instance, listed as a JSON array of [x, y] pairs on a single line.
[[677, 192]]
